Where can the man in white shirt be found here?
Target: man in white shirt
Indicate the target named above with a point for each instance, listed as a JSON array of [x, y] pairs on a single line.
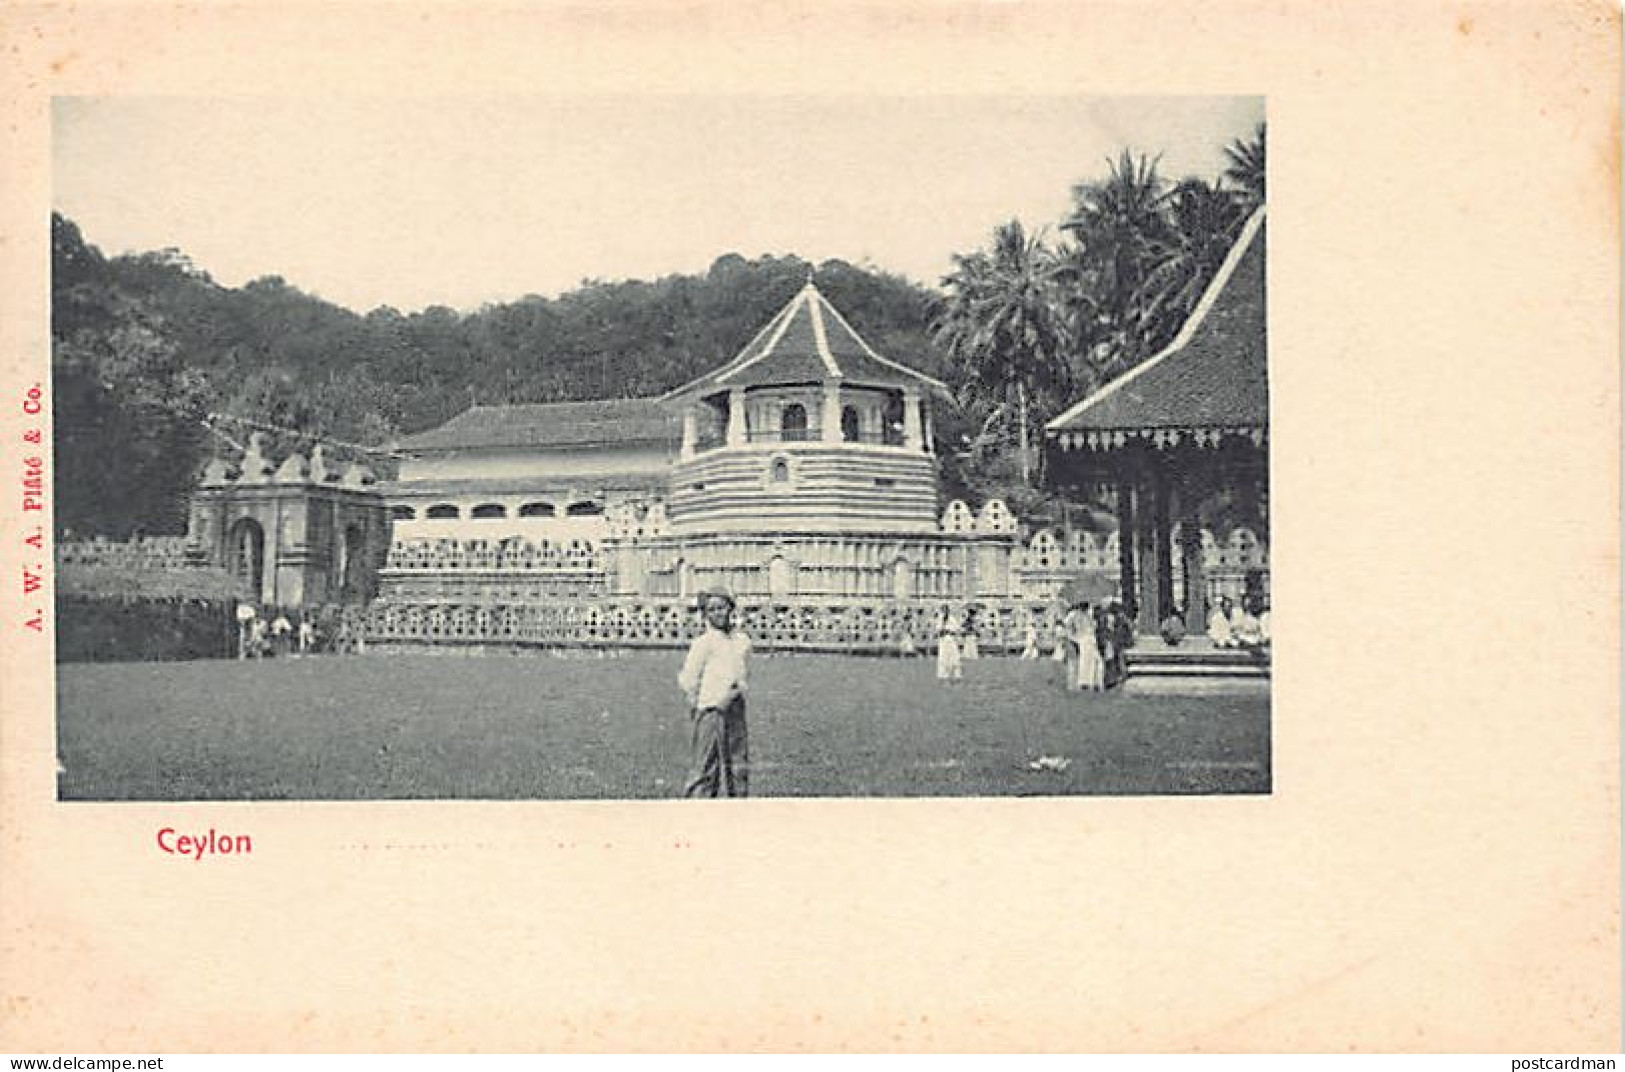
[[713, 678]]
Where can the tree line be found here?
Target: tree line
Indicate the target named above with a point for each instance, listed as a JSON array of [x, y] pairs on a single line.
[[1031, 325], [157, 367]]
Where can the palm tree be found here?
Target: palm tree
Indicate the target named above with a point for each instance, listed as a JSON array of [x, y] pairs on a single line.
[[1115, 222], [1093, 335], [1002, 322], [1203, 223], [1246, 170]]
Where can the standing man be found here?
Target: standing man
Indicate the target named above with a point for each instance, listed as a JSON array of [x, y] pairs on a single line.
[[245, 616], [713, 678]]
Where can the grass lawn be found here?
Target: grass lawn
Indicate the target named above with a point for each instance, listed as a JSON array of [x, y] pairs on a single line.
[[550, 726]]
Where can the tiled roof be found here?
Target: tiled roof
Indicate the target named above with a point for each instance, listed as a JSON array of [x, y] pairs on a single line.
[[612, 422], [1212, 375], [808, 341], [511, 487]]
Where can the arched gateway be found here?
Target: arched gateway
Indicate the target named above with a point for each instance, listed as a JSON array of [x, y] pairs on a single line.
[[300, 535]]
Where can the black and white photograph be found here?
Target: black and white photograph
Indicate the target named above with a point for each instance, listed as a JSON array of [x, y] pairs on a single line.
[[451, 443], [654, 447]]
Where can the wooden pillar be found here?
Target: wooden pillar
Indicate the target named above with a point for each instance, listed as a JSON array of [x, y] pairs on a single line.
[[1191, 493], [1125, 533], [1162, 546], [1145, 531]]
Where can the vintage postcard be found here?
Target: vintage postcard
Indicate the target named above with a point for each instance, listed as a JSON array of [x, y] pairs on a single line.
[[660, 527]]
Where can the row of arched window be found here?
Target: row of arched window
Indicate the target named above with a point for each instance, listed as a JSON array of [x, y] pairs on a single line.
[[793, 424], [485, 511]]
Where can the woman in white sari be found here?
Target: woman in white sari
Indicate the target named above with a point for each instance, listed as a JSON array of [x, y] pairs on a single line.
[[1091, 667], [949, 664]]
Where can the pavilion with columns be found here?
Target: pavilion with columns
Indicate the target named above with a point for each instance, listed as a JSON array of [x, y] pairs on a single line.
[[1184, 439]]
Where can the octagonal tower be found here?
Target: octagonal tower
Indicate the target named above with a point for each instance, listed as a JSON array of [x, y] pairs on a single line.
[[807, 430]]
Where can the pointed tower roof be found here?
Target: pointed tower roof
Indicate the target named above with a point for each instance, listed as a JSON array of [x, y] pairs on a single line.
[[808, 341], [1212, 376]]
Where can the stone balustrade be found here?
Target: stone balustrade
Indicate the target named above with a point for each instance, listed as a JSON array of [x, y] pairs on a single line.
[[511, 555], [141, 552], [854, 626]]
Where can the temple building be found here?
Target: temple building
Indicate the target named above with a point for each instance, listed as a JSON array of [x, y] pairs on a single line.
[[1184, 439], [800, 475], [546, 472]]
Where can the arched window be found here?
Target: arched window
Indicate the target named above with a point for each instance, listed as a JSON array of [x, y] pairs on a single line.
[[781, 471], [849, 424], [585, 509], [793, 422], [489, 510], [442, 511], [537, 509], [403, 513], [247, 550]]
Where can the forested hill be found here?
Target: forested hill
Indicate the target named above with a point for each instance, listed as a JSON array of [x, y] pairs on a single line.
[[146, 345], [147, 350]]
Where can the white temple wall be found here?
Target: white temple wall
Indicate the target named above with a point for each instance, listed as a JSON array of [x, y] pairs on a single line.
[[585, 464], [534, 529]]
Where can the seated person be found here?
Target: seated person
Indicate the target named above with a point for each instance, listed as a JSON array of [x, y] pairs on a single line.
[[1245, 628], [1218, 625], [1173, 628]]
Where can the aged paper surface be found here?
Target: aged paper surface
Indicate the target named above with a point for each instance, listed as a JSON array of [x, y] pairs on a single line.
[[1438, 866]]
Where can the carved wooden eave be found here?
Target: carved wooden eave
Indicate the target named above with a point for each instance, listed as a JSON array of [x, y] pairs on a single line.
[[1100, 441]]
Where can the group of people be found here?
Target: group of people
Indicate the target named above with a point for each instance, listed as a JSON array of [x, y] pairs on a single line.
[[1090, 641], [957, 642], [1244, 626], [261, 636]]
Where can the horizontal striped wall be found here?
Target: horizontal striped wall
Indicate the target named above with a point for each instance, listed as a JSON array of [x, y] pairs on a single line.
[[829, 489]]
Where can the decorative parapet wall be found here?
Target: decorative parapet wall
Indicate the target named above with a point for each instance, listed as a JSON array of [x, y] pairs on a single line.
[[798, 591], [140, 552], [507, 572], [145, 567], [856, 626]]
